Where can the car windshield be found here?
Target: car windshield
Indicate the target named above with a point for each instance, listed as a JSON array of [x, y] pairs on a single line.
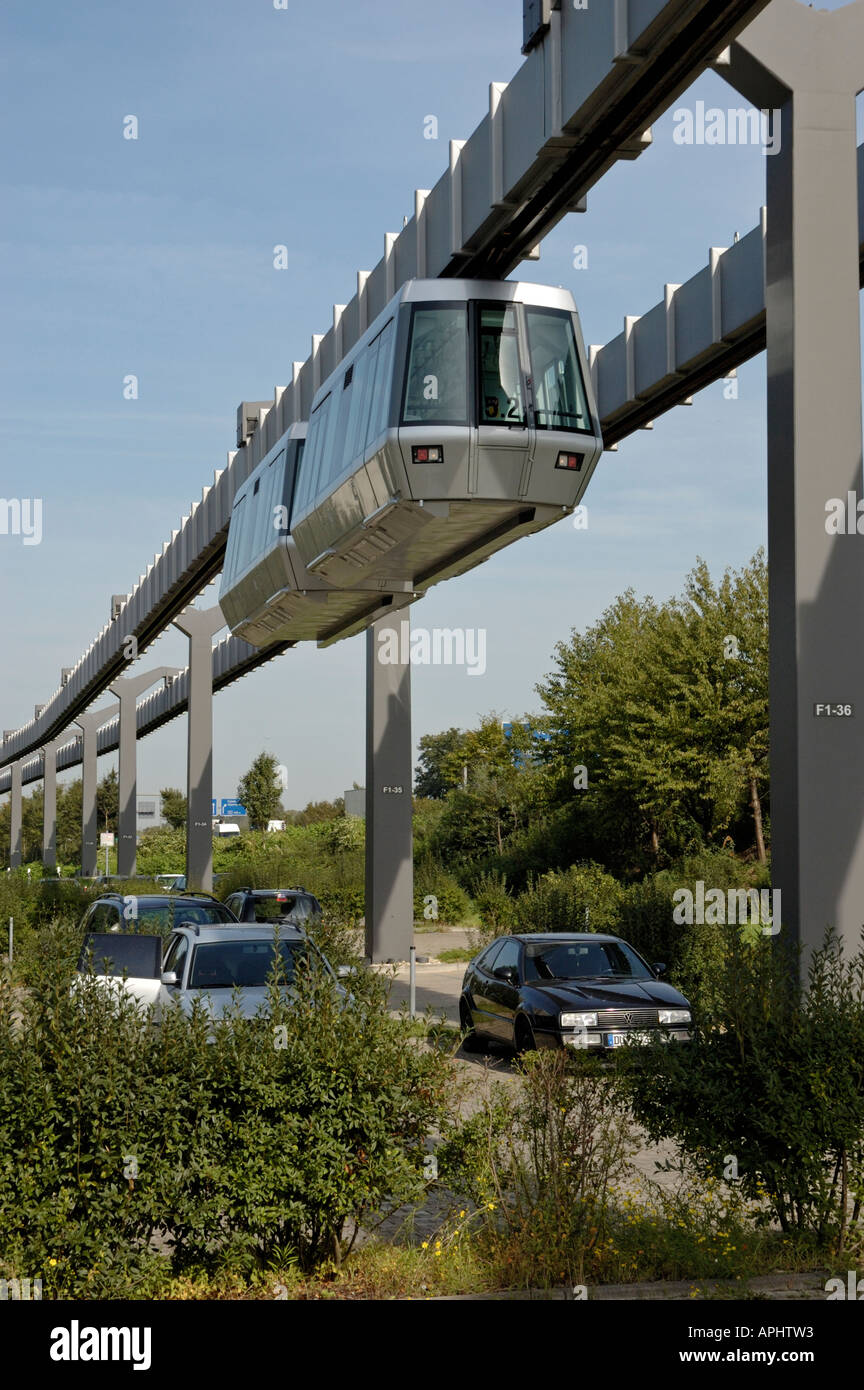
[[227, 964], [581, 960]]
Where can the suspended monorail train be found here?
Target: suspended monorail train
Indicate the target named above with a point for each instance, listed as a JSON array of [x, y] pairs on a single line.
[[462, 419]]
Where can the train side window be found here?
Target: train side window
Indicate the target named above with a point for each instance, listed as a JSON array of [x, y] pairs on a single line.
[[436, 386], [237, 530], [500, 375], [383, 384], [268, 498], [559, 391], [355, 435], [312, 454]]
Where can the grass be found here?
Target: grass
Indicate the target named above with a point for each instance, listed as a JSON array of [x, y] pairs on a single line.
[[454, 955]]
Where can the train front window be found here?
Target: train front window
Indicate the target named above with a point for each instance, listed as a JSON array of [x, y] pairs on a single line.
[[501, 397], [559, 392], [436, 387]]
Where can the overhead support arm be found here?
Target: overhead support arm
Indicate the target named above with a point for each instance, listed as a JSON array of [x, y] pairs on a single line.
[[127, 689], [200, 625], [90, 724]]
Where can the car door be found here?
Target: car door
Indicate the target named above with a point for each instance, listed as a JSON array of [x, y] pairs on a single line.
[[503, 993], [175, 959], [482, 984]]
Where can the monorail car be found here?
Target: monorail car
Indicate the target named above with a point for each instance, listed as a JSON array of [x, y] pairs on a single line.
[[266, 593], [462, 419]]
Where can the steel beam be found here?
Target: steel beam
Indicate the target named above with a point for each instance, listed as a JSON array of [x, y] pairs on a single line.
[[49, 806], [200, 627], [89, 725], [810, 64], [15, 823], [389, 762], [127, 690]]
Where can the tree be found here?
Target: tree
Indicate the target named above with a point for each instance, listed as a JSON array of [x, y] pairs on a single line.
[[439, 766], [260, 791], [173, 807], [108, 801]]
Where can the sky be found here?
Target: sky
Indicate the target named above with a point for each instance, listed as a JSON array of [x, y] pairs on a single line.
[[154, 257]]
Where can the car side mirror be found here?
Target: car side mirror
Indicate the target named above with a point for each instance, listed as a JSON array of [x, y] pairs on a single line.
[[659, 968], [169, 977], [508, 973]]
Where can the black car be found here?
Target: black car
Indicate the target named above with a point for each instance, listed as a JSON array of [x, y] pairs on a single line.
[[261, 905], [568, 989], [154, 912]]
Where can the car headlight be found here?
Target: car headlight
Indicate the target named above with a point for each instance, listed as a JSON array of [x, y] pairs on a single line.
[[674, 1016], [578, 1020]]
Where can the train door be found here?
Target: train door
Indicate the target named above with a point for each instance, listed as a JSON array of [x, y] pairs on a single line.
[[503, 433]]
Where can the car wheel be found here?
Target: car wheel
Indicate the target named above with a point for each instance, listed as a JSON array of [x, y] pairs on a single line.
[[523, 1036], [472, 1041]]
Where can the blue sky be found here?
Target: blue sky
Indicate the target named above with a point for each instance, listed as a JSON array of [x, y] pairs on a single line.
[[155, 257]]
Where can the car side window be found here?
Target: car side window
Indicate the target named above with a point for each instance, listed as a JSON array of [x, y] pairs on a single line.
[[488, 958], [509, 955], [99, 918], [233, 904], [176, 958]]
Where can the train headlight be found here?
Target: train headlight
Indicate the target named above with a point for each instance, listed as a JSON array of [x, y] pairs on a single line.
[[572, 461], [427, 453]]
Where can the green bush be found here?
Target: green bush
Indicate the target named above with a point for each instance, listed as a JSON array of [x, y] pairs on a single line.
[[770, 1092], [237, 1144], [451, 903], [581, 898]]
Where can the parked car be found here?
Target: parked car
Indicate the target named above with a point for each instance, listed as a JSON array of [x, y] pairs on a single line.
[[273, 905], [153, 912], [568, 989], [229, 968]]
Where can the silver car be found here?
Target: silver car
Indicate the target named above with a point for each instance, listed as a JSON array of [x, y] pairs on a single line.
[[229, 968]]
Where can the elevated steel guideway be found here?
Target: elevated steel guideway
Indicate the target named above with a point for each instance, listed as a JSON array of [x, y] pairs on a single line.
[[582, 99], [232, 659], [699, 332]]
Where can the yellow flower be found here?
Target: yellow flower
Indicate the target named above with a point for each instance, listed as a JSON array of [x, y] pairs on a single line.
[[425, 1245], [52, 1262], [461, 1213]]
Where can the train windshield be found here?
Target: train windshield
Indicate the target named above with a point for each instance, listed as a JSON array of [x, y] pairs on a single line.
[[501, 399], [436, 388], [559, 393]]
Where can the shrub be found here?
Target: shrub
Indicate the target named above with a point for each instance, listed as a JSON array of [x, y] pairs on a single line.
[[432, 880], [771, 1089], [244, 1144], [539, 1168], [581, 898]]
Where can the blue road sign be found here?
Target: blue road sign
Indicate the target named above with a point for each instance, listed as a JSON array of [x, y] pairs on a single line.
[[232, 808]]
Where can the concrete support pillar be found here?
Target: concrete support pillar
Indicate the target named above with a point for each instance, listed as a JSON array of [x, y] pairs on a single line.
[[127, 689], [15, 825], [389, 860], [49, 806], [200, 627], [809, 64], [90, 724]]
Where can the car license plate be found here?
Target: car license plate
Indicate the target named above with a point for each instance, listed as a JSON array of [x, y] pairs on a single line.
[[623, 1039]]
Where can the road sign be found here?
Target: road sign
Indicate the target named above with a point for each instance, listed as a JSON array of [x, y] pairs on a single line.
[[106, 839], [214, 804], [231, 808]]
